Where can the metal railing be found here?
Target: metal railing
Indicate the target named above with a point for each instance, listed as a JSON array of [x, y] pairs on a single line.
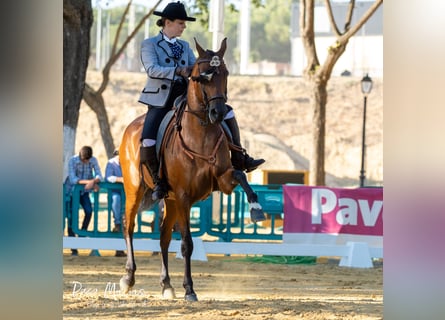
[[225, 217]]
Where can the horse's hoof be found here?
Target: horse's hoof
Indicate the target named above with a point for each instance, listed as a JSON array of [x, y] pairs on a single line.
[[123, 285], [191, 297], [168, 293], [257, 215]]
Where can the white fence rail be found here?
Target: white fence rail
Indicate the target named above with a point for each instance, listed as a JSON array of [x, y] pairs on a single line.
[[353, 254]]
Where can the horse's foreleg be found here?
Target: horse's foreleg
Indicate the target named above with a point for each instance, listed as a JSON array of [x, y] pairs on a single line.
[[256, 211], [166, 230], [187, 250]]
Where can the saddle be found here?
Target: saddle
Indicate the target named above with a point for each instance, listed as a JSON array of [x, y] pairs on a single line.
[[177, 109]]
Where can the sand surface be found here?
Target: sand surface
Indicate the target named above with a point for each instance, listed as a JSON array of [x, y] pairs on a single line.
[[227, 288]]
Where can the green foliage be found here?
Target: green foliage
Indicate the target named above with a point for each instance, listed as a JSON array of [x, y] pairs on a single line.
[[270, 28], [270, 31]]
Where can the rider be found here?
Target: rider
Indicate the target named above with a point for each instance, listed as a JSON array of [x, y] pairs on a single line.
[[168, 62]]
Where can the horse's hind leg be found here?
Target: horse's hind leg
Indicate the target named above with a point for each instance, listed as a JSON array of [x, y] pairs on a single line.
[[256, 211], [131, 208], [168, 222]]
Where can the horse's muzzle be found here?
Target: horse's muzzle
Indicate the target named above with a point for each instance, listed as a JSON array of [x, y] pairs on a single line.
[[217, 110]]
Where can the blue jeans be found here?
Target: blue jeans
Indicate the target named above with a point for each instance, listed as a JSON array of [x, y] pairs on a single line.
[[116, 207], [85, 202]]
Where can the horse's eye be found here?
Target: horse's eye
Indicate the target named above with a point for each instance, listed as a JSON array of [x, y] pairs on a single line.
[[207, 76]]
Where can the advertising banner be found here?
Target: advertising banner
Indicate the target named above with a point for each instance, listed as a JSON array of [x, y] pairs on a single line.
[[333, 214]]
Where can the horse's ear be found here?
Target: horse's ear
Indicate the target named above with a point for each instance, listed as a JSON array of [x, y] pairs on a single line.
[[223, 48], [201, 51]]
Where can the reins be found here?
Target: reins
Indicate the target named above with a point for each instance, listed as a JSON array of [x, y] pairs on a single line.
[[211, 159], [204, 120]]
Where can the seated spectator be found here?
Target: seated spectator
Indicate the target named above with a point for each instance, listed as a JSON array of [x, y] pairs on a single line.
[[113, 174], [82, 169]]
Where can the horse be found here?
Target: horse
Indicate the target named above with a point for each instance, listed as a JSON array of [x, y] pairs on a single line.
[[195, 161]]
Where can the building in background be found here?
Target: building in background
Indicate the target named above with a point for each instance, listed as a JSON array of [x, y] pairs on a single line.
[[364, 52]]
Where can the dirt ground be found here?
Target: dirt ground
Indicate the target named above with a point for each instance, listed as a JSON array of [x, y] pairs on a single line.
[[228, 287]]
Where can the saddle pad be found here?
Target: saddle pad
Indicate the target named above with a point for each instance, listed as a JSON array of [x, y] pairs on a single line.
[[163, 126], [161, 131], [227, 130]]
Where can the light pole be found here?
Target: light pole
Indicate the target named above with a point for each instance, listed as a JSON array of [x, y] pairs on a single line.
[[366, 89]]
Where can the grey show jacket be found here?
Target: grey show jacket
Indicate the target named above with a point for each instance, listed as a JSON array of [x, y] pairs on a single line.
[[160, 65]]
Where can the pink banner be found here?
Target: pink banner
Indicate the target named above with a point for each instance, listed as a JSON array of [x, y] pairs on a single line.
[[333, 210]]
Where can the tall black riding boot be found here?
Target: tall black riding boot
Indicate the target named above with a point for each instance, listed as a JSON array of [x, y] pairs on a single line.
[[240, 159], [150, 160]]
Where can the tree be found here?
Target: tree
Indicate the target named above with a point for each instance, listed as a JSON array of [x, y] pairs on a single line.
[[77, 21], [94, 98], [318, 75]]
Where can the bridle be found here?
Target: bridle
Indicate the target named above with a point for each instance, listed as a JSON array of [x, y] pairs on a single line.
[[203, 79]]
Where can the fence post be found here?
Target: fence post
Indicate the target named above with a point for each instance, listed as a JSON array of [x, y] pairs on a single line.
[[358, 256]]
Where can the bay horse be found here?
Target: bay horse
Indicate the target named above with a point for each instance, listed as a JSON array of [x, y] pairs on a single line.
[[195, 161]]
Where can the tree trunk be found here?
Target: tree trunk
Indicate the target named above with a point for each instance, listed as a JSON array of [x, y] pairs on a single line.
[[96, 102], [77, 21], [319, 99], [319, 81]]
